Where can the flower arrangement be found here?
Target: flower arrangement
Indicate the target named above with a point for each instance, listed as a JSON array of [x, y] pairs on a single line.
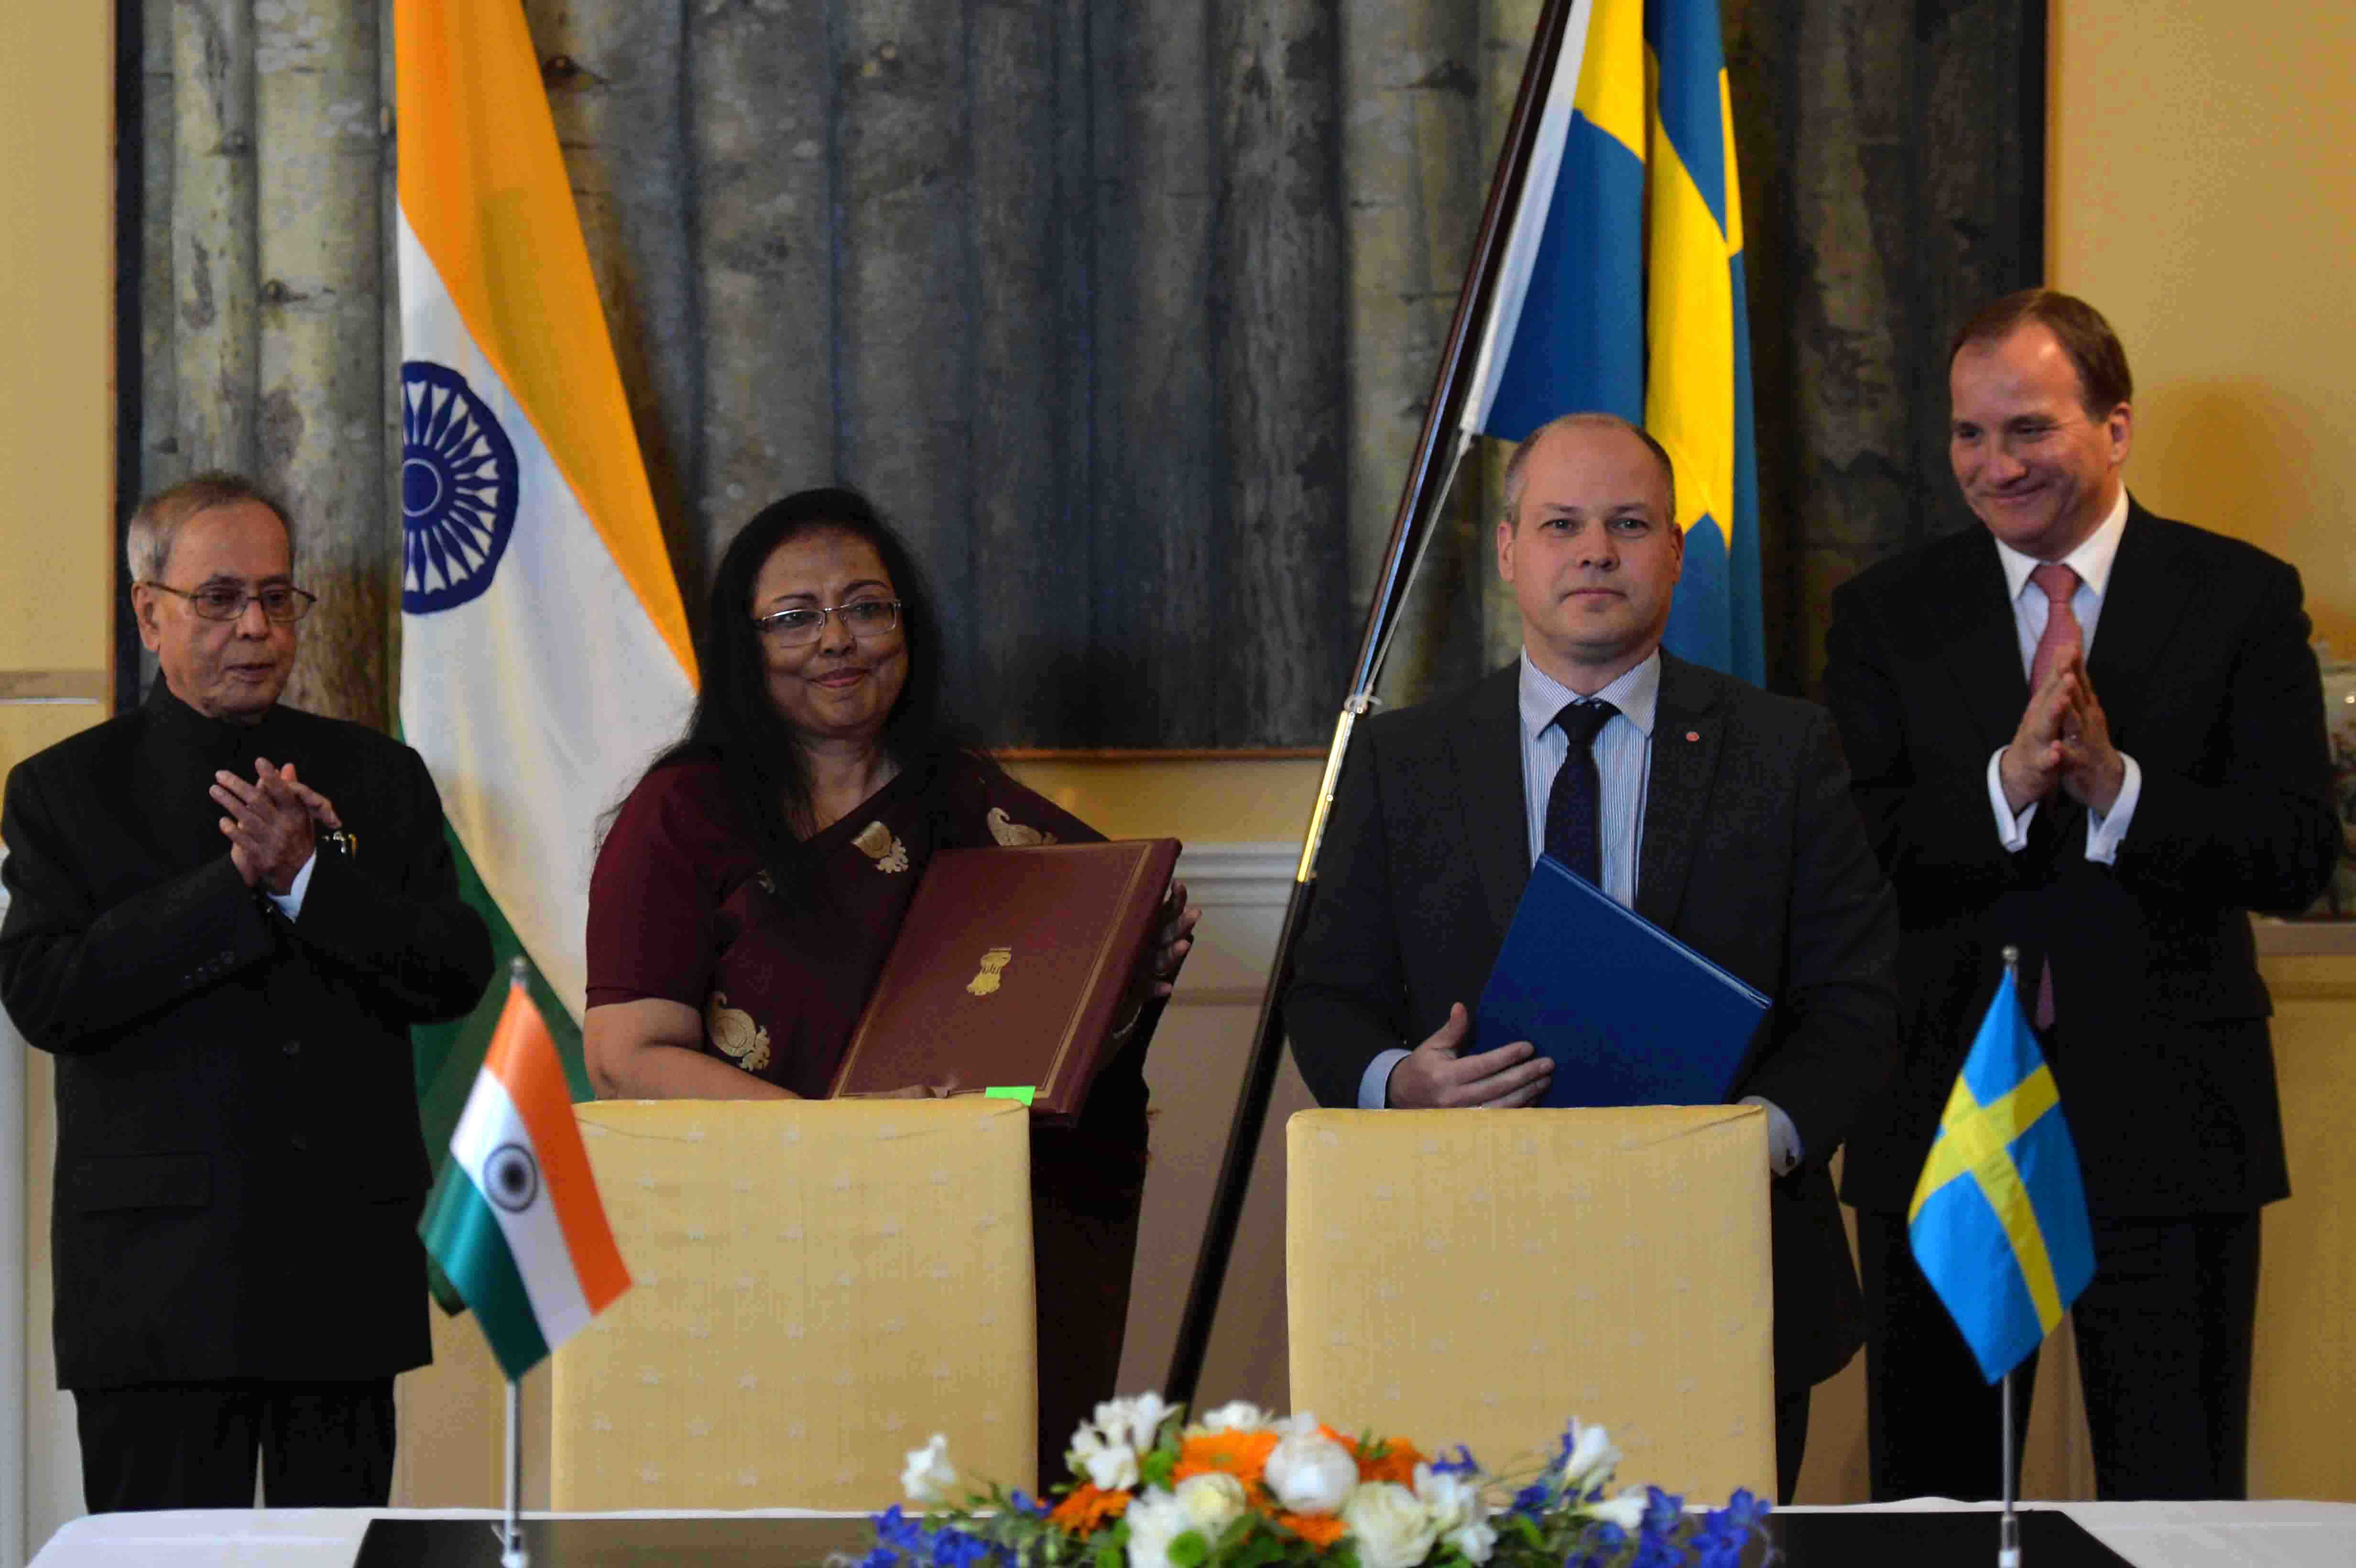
[[1242, 1490]]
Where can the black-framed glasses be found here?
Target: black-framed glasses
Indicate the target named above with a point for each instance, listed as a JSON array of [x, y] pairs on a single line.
[[282, 601], [864, 617]]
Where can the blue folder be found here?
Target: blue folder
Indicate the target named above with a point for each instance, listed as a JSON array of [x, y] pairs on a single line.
[[1630, 1015]]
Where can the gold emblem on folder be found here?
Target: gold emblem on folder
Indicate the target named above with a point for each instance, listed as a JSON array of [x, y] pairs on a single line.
[[992, 962]]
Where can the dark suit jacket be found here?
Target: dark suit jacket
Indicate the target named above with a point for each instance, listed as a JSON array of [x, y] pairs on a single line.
[[1751, 853], [2159, 1048], [240, 1169]]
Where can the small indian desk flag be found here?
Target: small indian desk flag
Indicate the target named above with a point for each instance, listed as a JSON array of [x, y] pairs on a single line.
[[515, 1221], [1998, 1222]]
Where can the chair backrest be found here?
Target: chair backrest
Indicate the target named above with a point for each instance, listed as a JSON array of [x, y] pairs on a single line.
[[819, 1288], [1456, 1277]]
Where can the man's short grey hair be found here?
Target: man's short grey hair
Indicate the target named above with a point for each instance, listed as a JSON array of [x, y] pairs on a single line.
[[147, 544], [1520, 460]]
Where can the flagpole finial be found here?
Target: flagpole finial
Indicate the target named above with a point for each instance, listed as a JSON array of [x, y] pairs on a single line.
[[2011, 957], [520, 968]]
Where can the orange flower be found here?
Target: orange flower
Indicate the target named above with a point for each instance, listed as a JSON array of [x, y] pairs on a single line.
[[1320, 1530], [1243, 1455], [1087, 1506], [1396, 1461]]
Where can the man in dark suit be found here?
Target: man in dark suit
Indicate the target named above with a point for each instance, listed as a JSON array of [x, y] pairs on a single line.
[[1714, 810], [2119, 840], [224, 914]]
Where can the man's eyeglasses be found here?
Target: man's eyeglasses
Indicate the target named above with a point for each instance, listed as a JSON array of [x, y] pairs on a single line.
[[281, 601], [864, 617]]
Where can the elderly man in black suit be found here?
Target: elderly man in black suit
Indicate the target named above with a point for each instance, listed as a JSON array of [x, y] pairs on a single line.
[[224, 914], [1714, 810], [2098, 735]]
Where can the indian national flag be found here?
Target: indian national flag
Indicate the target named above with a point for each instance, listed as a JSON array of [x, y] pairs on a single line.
[[545, 654], [514, 1223]]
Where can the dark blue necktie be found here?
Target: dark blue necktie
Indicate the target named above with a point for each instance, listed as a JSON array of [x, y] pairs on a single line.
[[1575, 806]]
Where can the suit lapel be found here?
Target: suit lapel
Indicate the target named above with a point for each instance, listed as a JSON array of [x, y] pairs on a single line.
[[1485, 751], [1685, 734], [2142, 605], [1980, 641]]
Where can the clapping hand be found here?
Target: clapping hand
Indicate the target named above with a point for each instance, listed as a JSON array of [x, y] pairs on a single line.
[[271, 824]]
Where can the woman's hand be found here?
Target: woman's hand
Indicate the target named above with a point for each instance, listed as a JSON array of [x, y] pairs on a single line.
[[1172, 940]]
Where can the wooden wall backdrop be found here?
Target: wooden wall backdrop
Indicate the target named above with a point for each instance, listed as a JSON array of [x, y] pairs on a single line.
[[1128, 311]]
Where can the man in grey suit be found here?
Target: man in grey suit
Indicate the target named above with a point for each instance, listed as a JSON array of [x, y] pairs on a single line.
[[1714, 810]]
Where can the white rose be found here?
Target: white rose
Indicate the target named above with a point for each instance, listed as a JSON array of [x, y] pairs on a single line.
[[1156, 1519], [1110, 1465], [929, 1475], [1212, 1501], [1136, 1422], [1241, 1415], [1475, 1540], [1626, 1511], [1390, 1524], [1453, 1499], [1592, 1459], [1308, 1472]]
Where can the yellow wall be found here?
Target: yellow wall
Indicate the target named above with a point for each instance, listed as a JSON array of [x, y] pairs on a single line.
[[55, 365], [2201, 197]]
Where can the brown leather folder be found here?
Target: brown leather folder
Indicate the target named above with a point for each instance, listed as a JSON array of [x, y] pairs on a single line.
[[1009, 971]]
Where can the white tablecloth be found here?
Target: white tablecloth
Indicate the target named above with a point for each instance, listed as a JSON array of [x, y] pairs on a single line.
[[2148, 1535]]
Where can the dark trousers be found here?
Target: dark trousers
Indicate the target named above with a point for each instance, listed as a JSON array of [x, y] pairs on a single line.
[[2163, 1337], [175, 1445], [1791, 1442]]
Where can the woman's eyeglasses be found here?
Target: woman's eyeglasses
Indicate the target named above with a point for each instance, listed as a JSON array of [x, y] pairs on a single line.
[[864, 617]]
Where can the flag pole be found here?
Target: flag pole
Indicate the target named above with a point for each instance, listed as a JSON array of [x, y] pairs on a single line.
[[1438, 451], [512, 1554], [2008, 1550]]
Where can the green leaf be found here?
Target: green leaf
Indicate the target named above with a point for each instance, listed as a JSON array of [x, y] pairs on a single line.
[[1188, 1550]]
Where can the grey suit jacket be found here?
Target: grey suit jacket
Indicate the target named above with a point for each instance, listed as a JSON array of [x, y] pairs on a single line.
[[1752, 853]]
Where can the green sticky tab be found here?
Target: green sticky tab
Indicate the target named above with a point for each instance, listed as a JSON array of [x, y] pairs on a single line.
[[1022, 1092]]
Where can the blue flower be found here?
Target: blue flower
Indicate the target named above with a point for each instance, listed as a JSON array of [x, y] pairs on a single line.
[[1746, 1510], [1661, 1510], [897, 1529], [1532, 1499], [881, 1557], [955, 1549], [1463, 1465], [1024, 1502]]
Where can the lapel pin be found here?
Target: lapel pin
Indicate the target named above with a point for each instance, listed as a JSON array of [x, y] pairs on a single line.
[[1693, 734]]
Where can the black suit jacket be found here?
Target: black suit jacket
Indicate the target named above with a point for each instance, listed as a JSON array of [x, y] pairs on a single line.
[[2159, 1046], [240, 1169], [1751, 853]]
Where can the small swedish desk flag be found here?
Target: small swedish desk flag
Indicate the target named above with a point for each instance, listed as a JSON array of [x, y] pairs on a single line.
[[1998, 1223]]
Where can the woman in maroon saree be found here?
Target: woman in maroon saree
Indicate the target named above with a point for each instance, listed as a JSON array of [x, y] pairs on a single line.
[[751, 885]]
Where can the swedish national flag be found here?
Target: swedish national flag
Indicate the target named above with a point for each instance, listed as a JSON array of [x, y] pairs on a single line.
[[1998, 1223], [1623, 291]]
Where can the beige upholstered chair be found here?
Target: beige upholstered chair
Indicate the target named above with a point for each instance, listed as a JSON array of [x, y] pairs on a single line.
[[820, 1287], [1462, 1277]]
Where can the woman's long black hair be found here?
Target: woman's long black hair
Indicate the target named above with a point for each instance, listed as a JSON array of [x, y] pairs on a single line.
[[737, 725]]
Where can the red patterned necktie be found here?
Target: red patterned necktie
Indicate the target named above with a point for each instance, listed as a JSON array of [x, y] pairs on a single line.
[[2061, 637]]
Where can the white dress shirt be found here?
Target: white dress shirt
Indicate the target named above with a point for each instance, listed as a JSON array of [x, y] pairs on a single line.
[[2091, 561]]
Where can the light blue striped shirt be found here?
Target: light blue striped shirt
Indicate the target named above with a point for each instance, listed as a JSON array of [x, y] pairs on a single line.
[[1623, 763]]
